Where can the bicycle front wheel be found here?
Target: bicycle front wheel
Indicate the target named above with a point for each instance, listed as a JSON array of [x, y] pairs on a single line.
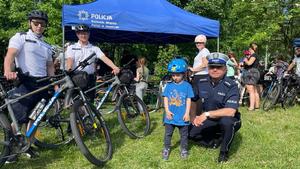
[[133, 116], [271, 97], [4, 138], [91, 133], [290, 98], [54, 130]]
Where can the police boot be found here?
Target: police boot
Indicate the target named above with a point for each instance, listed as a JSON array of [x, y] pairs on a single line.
[[223, 156]]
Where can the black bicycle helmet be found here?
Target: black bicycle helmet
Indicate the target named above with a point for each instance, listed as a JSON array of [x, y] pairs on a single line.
[[84, 28], [35, 14]]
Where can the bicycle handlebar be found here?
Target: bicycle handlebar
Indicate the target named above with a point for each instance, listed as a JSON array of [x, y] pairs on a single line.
[[51, 78], [84, 63]]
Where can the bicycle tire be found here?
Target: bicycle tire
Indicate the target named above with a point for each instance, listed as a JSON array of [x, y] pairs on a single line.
[[272, 97], [290, 98], [54, 131], [134, 121], [159, 101], [84, 133], [4, 138], [158, 104]]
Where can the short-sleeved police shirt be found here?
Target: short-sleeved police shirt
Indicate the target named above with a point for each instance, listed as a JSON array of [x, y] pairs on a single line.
[[33, 53], [223, 94], [297, 63], [78, 53]]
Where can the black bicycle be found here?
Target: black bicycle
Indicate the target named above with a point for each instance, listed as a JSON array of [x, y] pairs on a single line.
[[133, 115], [86, 129], [283, 91]]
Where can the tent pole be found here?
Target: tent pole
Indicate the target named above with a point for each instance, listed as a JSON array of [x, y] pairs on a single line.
[[63, 39], [218, 44], [63, 46]]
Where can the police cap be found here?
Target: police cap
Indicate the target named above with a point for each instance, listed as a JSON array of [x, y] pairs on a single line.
[[217, 59]]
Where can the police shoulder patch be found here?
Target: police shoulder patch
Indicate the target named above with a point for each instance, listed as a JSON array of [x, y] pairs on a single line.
[[22, 33]]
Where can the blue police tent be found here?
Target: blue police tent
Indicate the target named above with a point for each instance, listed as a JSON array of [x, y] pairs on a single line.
[[296, 42], [137, 21]]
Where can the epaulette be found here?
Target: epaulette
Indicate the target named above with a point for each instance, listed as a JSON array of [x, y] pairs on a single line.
[[22, 33], [203, 80], [227, 83], [76, 48]]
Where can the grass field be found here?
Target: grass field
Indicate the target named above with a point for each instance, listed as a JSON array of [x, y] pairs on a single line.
[[266, 140]]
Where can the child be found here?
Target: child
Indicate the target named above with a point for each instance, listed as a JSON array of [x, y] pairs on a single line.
[[177, 102]]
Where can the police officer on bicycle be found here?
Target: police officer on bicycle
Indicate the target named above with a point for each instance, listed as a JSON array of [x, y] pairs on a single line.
[[81, 50], [33, 56], [219, 118]]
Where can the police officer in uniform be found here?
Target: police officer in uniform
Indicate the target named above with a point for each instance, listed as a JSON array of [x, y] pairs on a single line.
[[33, 56], [219, 115], [81, 50]]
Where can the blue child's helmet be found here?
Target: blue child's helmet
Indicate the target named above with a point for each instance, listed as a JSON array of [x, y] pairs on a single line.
[[177, 65]]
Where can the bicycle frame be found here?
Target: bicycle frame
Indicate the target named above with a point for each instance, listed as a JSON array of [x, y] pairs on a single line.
[[67, 83], [114, 82]]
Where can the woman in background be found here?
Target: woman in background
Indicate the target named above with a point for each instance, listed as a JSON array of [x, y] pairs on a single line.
[[231, 65], [142, 75]]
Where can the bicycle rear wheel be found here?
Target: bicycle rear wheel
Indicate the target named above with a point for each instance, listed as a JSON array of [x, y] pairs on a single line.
[[4, 138], [290, 98], [91, 133], [272, 97], [133, 116], [54, 130]]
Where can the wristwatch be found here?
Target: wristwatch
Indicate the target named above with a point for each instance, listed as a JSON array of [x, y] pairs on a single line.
[[207, 114]]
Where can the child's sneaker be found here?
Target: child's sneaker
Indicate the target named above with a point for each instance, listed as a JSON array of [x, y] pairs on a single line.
[[184, 154], [165, 153]]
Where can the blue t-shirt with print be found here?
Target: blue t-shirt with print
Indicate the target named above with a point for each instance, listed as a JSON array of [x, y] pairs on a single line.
[[177, 94]]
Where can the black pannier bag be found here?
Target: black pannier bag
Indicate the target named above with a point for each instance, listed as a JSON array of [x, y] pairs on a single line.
[[126, 76], [80, 78]]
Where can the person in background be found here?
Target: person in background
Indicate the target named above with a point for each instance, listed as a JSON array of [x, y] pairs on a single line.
[[280, 66], [251, 77], [142, 75], [200, 62], [231, 65], [295, 62], [58, 62], [177, 102]]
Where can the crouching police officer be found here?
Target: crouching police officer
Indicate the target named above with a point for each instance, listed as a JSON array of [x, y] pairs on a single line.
[[34, 57], [219, 117]]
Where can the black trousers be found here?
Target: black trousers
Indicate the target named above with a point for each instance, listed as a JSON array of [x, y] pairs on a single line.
[[183, 130], [225, 127], [198, 102], [91, 84], [22, 108]]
